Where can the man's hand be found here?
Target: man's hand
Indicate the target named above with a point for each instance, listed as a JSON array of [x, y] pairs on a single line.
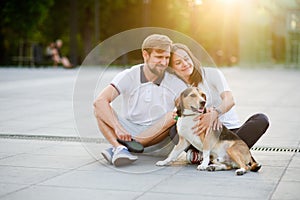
[[174, 114], [123, 134]]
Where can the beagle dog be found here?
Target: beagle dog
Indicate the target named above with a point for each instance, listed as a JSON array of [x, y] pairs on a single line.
[[222, 149]]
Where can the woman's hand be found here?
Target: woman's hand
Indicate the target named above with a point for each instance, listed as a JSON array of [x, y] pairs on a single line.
[[206, 121], [217, 125]]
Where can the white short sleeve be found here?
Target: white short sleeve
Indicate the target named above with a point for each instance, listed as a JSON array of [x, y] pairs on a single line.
[[216, 79]]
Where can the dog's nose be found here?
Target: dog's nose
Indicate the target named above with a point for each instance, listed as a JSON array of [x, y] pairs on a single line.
[[202, 103]]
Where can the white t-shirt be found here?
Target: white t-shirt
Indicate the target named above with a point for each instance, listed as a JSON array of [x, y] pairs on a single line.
[[214, 83], [143, 102]]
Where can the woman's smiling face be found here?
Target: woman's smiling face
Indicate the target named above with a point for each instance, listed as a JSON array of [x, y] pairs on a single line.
[[182, 64]]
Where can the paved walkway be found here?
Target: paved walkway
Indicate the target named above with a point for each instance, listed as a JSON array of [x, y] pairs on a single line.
[[41, 156]]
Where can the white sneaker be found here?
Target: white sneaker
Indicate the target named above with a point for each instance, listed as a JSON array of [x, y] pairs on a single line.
[[122, 157], [194, 156], [108, 154]]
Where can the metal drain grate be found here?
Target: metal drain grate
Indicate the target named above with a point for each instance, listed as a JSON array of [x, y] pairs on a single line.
[[276, 149], [52, 138], [101, 140]]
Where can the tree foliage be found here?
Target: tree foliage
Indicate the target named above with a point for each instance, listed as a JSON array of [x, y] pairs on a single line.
[[23, 17], [84, 24]]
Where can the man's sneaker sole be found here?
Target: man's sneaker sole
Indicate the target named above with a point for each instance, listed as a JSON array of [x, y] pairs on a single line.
[[122, 157], [123, 161]]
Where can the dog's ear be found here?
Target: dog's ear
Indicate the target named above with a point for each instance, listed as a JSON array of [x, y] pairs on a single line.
[[203, 95], [178, 104]]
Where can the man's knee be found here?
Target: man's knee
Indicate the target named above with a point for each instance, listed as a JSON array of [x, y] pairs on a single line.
[[95, 108]]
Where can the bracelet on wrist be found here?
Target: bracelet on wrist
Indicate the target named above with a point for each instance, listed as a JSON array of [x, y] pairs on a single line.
[[218, 110]]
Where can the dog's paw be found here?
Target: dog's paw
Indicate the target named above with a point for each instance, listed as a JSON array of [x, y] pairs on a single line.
[[240, 171], [256, 168], [211, 168], [202, 167], [162, 163]]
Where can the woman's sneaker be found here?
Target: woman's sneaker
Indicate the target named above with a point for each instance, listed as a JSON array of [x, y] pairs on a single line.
[[194, 156]]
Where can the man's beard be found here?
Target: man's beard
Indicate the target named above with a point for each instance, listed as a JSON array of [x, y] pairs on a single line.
[[156, 71]]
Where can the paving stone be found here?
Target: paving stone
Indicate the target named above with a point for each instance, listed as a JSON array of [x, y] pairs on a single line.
[[40, 102]]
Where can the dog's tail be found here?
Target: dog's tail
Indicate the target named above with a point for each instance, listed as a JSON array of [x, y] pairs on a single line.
[[254, 166]]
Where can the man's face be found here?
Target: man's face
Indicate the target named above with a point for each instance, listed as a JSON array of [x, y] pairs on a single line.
[[157, 61]]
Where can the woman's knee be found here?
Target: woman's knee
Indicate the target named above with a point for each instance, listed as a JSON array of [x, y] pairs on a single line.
[[264, 119]]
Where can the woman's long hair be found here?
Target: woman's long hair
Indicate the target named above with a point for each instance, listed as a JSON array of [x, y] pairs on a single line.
[[196, 76]]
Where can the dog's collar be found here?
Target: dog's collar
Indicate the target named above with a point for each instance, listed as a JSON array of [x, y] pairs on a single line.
[[189, 113]]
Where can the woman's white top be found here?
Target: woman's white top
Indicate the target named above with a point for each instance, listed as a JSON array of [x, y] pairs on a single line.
[[213, 85]]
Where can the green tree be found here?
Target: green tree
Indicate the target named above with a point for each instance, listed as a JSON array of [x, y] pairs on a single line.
[[23, 17], [19, 21]]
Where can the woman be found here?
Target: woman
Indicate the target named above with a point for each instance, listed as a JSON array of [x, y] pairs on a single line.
[[220, 101]]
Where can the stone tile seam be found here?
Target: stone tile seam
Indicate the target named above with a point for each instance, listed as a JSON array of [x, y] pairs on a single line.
[[104, 141]]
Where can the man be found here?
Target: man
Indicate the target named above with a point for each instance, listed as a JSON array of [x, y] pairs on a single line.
[[148, 95]]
